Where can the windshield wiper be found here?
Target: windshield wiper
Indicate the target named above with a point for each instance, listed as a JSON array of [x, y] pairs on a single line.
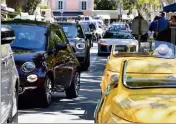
[[22, 48]]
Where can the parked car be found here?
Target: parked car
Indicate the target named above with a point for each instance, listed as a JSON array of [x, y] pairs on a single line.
[[144, 91], [45, 60], [121, 38], [9, 78], [79, 43]]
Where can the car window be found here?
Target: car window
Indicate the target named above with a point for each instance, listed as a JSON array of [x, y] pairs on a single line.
[[85, 26], [72, 30], [118, 35], [29, 36]]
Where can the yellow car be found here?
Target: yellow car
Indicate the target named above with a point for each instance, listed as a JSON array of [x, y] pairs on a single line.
[[144, 90], [114, 62]]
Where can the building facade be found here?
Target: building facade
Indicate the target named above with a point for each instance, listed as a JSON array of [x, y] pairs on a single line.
[[72, 8]]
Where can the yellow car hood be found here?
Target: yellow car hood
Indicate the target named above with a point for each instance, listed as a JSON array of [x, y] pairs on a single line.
[[148, 108]]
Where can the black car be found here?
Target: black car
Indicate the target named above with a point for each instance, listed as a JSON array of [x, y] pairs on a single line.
[[44, 59], [79, 43]]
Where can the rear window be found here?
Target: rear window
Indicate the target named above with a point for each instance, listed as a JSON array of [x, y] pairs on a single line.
[[72, 30]]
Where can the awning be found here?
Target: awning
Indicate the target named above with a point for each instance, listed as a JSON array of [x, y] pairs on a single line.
[[67, 14], [170, 8]]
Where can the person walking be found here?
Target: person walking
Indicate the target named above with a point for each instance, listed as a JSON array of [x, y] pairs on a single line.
[[154, 26], [163, 22], [165, 35]]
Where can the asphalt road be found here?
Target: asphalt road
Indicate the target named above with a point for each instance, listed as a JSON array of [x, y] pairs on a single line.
[[63, 110]]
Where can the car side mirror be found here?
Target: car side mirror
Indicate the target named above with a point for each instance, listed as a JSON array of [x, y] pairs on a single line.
[[7, 35], [61, 46], [113, 82]]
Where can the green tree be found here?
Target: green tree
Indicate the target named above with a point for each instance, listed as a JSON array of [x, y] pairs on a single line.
[[30, 6], [16, 4], [138, 4], [106, 4]]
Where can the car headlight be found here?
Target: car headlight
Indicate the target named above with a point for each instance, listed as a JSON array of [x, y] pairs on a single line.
[[80, 46], [28, 67]]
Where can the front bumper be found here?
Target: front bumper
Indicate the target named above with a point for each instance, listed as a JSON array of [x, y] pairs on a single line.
[[26, 86]]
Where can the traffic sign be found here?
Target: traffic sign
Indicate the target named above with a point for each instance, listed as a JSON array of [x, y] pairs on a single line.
[[139, 26]]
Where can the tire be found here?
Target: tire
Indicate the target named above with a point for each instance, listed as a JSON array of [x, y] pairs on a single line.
[[45, 94], [73, 90], [86, 64], [11, 119]]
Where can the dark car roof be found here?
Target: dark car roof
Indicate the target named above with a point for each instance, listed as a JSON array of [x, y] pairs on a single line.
[[27, 22]]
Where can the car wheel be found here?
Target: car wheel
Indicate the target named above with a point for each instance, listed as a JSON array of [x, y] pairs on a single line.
[[45, 93], [73, 90], [14, 107]]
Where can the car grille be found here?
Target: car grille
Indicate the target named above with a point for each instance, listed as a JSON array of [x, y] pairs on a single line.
[[121, 48], [104, 48]]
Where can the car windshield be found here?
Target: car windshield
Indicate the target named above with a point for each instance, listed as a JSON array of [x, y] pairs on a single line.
[[30, 37], [72, 30], [159, 49], [159, 70], [85, 26], [118, 35]]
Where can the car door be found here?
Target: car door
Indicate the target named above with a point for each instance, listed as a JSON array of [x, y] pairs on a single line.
[[65, 63], [6, 81]]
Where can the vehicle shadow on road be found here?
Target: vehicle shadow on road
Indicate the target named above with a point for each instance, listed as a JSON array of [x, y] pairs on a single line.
[[81, 108]]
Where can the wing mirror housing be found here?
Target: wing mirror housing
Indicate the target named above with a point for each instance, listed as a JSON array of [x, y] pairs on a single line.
[[7, 35], [61, 46], [113, 82]]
